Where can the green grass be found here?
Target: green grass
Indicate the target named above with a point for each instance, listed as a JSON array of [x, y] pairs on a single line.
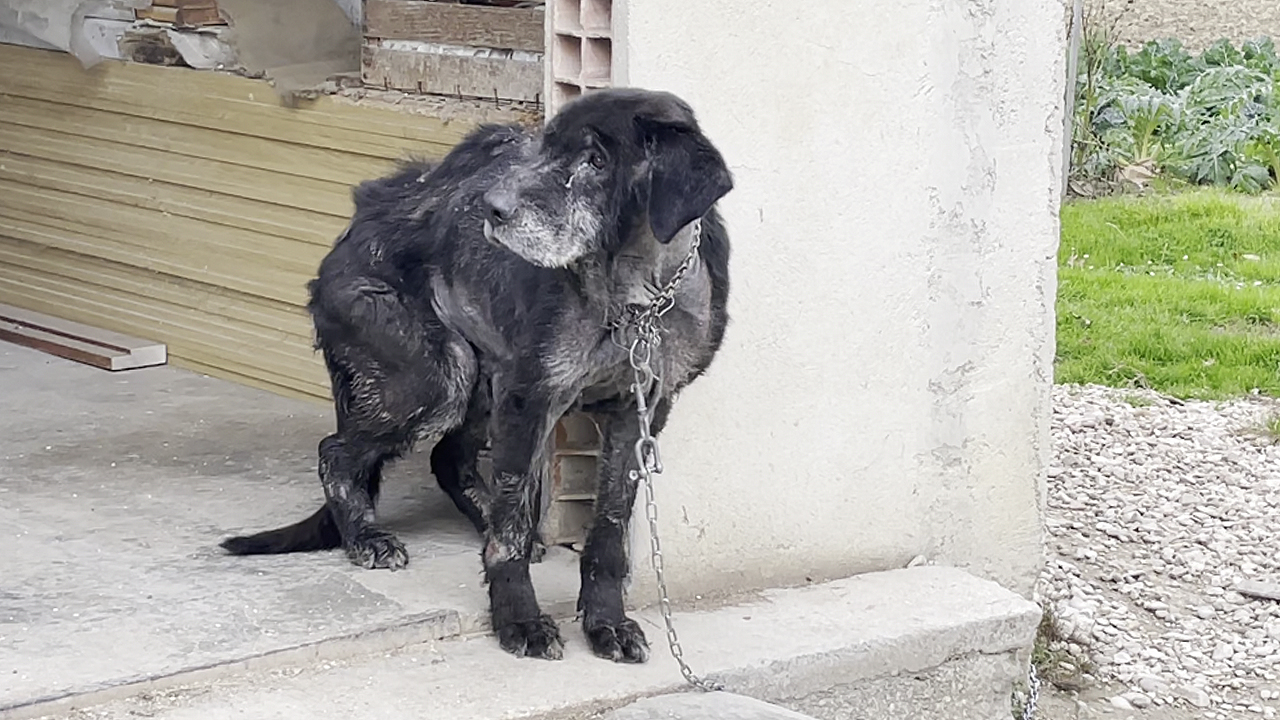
[[1175, 292]]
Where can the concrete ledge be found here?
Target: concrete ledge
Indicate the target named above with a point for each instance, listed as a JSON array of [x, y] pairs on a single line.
[[903, 643], [709, 706]]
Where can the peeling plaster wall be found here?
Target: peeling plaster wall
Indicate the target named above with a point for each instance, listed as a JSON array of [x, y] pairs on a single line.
[[884, 389], [354, 10], [58, 24]]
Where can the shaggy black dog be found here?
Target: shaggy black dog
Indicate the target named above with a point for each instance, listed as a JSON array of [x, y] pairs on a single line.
[[473, 300]]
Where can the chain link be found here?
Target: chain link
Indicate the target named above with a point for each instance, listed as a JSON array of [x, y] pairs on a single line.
[[1033, 693], [647, 388]]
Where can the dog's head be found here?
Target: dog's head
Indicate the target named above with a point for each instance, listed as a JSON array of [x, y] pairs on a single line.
[[604, 162]]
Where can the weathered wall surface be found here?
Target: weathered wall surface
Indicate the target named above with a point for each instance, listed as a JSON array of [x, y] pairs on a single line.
[[884, 389], [1197, 23]]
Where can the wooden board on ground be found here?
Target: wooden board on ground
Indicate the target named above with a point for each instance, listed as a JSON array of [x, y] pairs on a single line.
[[449, 24], [418, 71], [193, 16], [75, 341]]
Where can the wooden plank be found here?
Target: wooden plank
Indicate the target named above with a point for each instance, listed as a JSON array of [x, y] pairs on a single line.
[[187, 16], [286, 365], [247, 103], [449, 24], [319, 196], [192, 240], [114, 245], [273, 321], [243, 213], [426, 72], [183, 3], [77, 341], [217, 308], [279, 352], [50, 344], [314, 395], [185, 140], [123, 312], [216, 249], [190, 340], [241, 118]]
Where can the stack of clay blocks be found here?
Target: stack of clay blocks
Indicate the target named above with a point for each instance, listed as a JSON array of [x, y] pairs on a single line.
[[579, 49]]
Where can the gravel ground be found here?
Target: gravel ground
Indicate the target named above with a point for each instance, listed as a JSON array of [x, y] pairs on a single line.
[[1157, 510], [1197, 23]]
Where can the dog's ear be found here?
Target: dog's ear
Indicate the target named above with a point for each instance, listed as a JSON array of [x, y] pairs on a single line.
[[687, 174]]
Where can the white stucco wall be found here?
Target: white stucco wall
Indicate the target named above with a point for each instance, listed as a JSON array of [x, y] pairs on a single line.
[[885, 383]]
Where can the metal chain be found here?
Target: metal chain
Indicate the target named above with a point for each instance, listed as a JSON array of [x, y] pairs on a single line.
[[647, 388], [1033, 693]]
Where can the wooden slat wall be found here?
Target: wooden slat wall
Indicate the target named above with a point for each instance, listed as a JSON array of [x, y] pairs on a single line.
[[183, 206]]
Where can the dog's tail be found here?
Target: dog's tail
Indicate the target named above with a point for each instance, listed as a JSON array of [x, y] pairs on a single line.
[[318, 532]]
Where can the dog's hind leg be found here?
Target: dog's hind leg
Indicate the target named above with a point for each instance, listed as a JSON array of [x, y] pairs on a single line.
[[604, 564], [351, 483], [351, 473], [455, 461]]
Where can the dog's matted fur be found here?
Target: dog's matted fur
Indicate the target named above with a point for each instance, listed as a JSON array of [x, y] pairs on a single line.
[[472, 300]]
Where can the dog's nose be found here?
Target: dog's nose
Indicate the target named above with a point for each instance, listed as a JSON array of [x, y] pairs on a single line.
[[501, 205]]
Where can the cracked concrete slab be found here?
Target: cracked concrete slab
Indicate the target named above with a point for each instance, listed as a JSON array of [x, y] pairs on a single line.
[[930, 643], [115, 489], [116, 603], [711, 706]]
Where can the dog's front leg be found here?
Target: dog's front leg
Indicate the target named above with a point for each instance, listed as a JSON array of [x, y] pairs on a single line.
[[605, 565], [521, 428]]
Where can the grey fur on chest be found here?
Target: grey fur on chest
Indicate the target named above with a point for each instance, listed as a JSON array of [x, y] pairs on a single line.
[[582, 357], [598, 367]]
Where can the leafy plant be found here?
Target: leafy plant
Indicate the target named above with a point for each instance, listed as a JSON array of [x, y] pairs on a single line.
[[1101, 62], [1133, 117], [1263, 149], [1207, 119], [1162, 64], [1222, 54], [1261, 55]]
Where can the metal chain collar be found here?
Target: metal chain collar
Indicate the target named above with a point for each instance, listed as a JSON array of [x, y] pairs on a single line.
[[647, 388], [1033, 693]]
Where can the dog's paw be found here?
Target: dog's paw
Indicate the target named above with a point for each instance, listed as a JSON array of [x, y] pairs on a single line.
[[532, 638], [623, 642], [378, 549]]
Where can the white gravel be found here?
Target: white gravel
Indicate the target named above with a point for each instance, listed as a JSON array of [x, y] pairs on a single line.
[[1156, 510]]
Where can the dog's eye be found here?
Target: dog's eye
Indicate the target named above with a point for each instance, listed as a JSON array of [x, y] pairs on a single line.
[[596, 159]]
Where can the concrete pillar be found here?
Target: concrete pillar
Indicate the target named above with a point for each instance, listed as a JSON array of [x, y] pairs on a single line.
[[884, 388]]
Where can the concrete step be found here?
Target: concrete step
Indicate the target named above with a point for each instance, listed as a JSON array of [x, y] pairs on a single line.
[[927, 643], [711, 706]]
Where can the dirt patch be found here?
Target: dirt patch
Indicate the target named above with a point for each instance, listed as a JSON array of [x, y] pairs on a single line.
[[1197, 23]]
